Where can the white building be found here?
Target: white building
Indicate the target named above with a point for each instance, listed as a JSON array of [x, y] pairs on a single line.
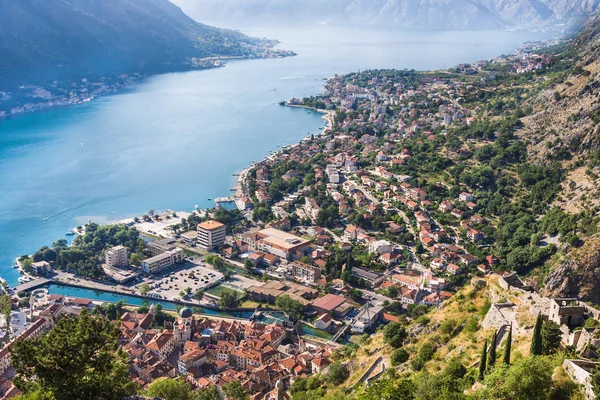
[[158, 263], [380, 247], [117, 257], [211, 234]]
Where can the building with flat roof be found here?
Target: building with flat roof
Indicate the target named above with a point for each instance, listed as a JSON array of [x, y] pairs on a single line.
[[211, 234], [117, 257], [273, 289], [280, 243], [160, 246], [374, 278], [306, 273], [158, 263]]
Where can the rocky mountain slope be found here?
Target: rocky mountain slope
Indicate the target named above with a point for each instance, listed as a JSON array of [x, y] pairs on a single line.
[[433, 14], [45, 40], [564, 128]]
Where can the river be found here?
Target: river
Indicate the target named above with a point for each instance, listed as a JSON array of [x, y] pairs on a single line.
[[175, 140]]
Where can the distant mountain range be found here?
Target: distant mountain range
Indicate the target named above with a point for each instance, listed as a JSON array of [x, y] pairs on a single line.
[[426, 14], [45, 40]]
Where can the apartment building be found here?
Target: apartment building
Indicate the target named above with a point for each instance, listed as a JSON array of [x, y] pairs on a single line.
[[211, 234], [158, 263], [117, 257]]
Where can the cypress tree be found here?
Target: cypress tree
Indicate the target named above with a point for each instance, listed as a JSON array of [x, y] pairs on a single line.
[[492, 356], [507, 348], [536, 340], [482, 361]]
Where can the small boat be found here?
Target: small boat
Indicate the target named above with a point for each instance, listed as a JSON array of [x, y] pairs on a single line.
[[46, 219], [15, 266], [70, 233], [210, 198]]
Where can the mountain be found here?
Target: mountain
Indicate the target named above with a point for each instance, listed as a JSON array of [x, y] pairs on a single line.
[[429, 14], [43, 40]]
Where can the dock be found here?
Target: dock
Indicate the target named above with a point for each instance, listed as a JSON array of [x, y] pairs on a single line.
[[27, 286]]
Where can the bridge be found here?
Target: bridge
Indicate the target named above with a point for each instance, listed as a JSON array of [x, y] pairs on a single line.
[[34, 284]]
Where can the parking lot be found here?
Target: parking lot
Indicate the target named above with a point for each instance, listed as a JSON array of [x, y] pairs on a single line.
[[193, 275], [162, 227]]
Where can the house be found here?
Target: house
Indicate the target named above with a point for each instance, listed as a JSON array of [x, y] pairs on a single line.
[[390, 259], [468, 259], [432, 299], [191, 359], [408, 295], [324, 322], [311, 207], [162, 345], [457, 213], [42, 267], [483, 268], [475, 236], [351, 233], [453, 269], [446, 206], [438, 263], [410, 281], [464, 196], [380, 247]]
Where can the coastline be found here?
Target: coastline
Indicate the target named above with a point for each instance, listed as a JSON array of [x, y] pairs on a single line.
[[134, 79]]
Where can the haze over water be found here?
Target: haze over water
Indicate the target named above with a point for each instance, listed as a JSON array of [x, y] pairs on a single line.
[[176, 139]]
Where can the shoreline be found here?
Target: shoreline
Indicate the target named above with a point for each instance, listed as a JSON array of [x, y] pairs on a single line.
[[137, 78]]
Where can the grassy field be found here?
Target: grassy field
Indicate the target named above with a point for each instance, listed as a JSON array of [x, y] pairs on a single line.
[[218, 290]]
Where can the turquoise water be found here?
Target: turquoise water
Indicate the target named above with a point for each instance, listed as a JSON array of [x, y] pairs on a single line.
[[309, 330], [131, 300], [176, 139]]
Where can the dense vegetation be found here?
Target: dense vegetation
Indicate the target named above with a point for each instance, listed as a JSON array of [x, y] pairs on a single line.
[[86, 254]]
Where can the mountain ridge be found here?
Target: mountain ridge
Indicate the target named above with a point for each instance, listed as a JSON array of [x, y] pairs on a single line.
[[419, 14], [45, 41]]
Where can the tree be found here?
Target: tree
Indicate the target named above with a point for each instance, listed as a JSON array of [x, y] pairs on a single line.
[[229, 300], [355, 294], [482, 361], [144, 289], [235, 391], [551, 337], [536, 339], [596, 382], [528, 378], [392, 292], [492, 353], [290, 306], [77, 360], [337, 373], [399, 356], [210, 393], [506, 359], [170, 389], [394, 334], [390, 389]]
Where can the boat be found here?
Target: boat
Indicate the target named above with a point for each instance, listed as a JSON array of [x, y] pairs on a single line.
[[70, 233], [46, 219], [15, 266], [210, 198]]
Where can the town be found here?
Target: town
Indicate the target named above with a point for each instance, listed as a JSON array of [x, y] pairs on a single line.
[[382, 218]]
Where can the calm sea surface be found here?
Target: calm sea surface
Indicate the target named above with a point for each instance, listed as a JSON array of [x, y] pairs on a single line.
[[176, 139]]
